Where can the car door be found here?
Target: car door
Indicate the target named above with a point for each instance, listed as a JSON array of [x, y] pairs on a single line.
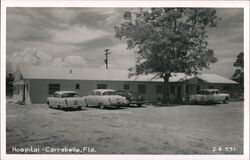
[[216, 96], [91, 99], [53, 100]]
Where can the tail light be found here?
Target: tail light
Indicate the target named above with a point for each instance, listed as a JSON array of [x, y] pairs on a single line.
[[75, 103], [66, 102]]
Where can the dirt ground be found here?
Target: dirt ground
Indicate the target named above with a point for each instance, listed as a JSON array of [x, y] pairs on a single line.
[[182, 129]]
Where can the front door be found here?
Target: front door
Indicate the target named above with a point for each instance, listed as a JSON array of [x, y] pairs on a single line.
[[179, 94], [23, 99]]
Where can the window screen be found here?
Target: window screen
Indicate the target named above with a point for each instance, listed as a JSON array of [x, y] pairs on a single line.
[[159, 89], [102, 86], [142, 89], [53, 88]]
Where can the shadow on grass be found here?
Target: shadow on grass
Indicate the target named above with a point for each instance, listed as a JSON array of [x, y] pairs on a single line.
[[189, 104], [108, 108], [70, 109]]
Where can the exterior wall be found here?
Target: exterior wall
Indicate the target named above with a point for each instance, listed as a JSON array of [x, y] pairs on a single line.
[[39, 89]]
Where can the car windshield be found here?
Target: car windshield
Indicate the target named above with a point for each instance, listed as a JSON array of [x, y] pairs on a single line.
[[109, 93], [132, 93], [66, 95], [203, 92]]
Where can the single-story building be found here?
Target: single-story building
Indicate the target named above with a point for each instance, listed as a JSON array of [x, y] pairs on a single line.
[[33, 84]]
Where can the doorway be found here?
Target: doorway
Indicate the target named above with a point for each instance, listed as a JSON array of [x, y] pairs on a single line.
[[179, 98], [23, 97]]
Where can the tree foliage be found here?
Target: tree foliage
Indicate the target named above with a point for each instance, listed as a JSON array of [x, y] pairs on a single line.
[[9, 80], [168, 40], [238, 75]]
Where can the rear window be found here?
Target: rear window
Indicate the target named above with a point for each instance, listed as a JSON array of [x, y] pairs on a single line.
[[132, 92], [109, 93], [203, 92], [66, 95]]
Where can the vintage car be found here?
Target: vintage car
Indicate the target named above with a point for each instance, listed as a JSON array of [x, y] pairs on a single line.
[[104, 98], [209, 96], [66, 99], [132, 97]]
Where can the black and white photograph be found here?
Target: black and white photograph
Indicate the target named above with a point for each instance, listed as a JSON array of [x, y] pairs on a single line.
[[125, 80]]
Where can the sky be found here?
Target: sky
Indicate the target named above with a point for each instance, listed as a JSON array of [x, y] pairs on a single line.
[[77, 37]]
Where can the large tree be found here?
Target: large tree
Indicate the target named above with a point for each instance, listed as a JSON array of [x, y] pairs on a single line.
[[168, 40], [238, 75], [9, 86]]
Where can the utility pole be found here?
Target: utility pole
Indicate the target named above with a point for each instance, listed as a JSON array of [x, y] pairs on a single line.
[[106, 59]]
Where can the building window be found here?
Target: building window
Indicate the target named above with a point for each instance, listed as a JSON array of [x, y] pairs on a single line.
[[126, 87], [102, 86], [54, 88], [172, 89], [226, 88], [77, 86], [198, 88], [159, 89], [211, 87], [187, 89], [141, 89]]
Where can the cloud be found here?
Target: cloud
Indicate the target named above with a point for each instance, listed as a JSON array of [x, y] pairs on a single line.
[[122, 62], [60, 33], [228, 60], [22, 26], [70, 61], [121, 49], [29, 56], [77, 34], [55, 49], [32, 56]]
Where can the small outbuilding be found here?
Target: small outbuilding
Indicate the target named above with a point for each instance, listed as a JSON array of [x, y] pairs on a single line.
[[33, 84]]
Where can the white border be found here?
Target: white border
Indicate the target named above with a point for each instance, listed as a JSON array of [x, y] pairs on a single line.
[[123, 4]]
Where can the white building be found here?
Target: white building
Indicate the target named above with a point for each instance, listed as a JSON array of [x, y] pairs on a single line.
[[34, 84]]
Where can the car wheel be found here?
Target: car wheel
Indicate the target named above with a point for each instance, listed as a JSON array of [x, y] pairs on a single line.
[[101, 105], [79, 108], [59, 107], [225, 101], [48, 104], [86, 104], [118, 107], [139, 105]]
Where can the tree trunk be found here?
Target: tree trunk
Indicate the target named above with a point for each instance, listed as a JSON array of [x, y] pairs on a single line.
[[166, 89]]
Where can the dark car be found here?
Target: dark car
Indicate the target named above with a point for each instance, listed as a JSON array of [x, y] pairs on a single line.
[[132, 97]]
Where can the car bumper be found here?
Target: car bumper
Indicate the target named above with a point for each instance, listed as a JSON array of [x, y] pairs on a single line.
[[118, 104], [136, 102], [73, 106]]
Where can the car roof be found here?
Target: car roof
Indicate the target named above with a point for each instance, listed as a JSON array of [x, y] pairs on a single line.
[[104, 90], [126, 91], [209, 90], [62, 92]]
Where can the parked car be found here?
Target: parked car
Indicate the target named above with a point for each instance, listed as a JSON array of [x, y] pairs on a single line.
[[132, 97], [104, 98], [209, 96], [66, 99]]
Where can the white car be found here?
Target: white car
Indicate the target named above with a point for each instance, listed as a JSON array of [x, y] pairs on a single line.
[[66, 99], [104, 98], [209, 96]]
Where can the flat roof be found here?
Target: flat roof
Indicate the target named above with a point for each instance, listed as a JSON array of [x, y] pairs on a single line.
[[67, 73]]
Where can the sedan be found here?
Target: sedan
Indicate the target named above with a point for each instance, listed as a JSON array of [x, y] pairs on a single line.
[[104, 98], [66, 99], [132, 97]]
